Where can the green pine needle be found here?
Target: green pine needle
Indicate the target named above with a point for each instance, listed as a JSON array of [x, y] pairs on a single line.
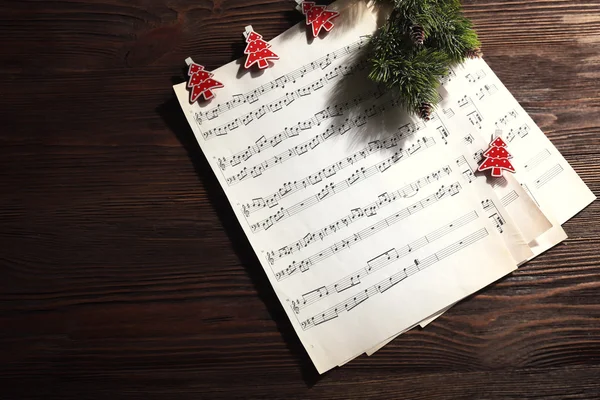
[[413, 72]]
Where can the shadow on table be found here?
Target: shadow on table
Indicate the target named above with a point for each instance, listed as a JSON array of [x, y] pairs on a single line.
[[171, 113]]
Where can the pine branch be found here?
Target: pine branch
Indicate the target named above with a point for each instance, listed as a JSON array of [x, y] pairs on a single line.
[[417, 45]]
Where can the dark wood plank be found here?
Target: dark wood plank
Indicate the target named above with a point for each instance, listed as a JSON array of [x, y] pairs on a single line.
[[124, 274]]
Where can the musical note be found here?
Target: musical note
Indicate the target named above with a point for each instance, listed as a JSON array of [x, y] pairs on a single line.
[[448, 77], [464, 101], [386, 284], [371, 148], [474, 77], [475, 118], [274, 106], [460, 161], [494, 214], [378, 262], [499, 221], [506, 119], [468, 175], [329, 189], [522, 131], [298, 150], [307, 263], [316, 120], [443, 133], [295, 156], [356, 214], [548, 176], [486, 90], [279, 83], [487, 204]]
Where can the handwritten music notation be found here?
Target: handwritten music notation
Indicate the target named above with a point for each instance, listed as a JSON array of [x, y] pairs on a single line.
[[292, 187], [475, 76], [548, 176], [305, 147], [521, 131], [506, 119], [332, 189], [509, 198], [329, 112], [307, 263], [381, 287], [537, 160], [253, 95], [380, 261], [369, 210], [284, 101]]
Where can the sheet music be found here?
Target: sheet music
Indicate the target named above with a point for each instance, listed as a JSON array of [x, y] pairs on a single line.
[[353, 208], [526, 214], [540, 168], [516, 205], [346, 228], [464, 126], [476, 102]]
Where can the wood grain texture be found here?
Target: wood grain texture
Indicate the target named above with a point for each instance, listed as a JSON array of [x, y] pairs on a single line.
[[124, 274]]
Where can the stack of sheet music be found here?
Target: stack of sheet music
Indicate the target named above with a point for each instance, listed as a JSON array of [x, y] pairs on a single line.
[[362, 216]]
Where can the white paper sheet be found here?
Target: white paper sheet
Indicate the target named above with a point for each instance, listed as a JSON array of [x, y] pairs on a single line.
[[360, 239], [477, 103], [364, 220], [483, 104]]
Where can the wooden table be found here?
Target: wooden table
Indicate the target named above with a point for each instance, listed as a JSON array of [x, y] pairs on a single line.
[[124, 274]]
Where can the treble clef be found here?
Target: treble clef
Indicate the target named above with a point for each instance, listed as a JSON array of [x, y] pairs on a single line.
[[198, 118], [295, 307]]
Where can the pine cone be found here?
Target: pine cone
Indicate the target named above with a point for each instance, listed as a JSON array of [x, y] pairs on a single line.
[[474, 53], [417, 35], [425, 111]]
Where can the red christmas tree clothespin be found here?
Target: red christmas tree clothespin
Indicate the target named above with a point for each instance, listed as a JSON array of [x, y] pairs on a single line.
[[258, 50], [200, 82], [317, 16], [497, 158]]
